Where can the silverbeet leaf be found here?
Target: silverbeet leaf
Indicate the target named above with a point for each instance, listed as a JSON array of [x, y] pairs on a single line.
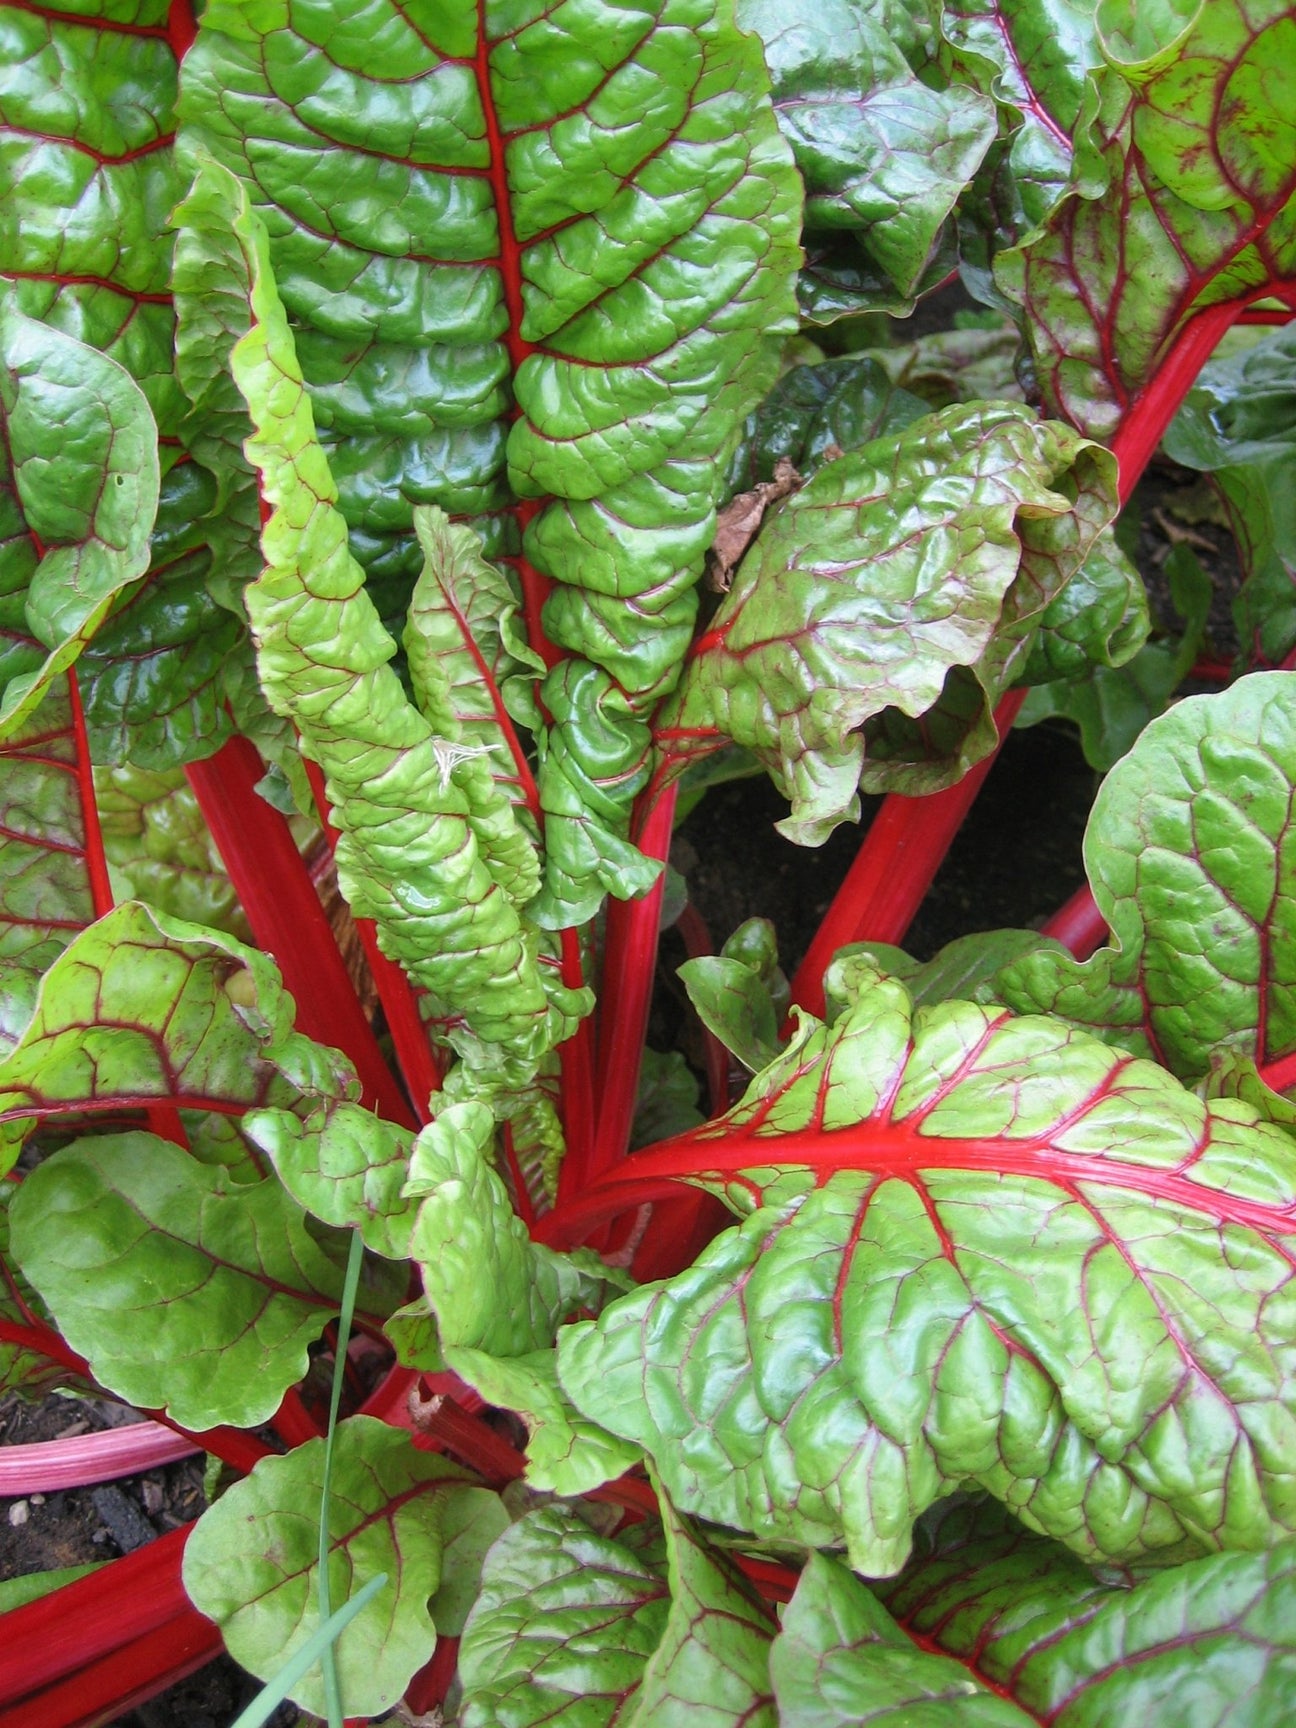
[[141, 1009], [974, 1250], [421, 1519], [913, 568], [586, 215], [78, 494], [408, 854], [184, 1289], [1208, 1643], [563, 1626], [1190, 853]]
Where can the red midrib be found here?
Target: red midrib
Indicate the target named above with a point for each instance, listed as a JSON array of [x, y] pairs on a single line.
[[897, 1150]]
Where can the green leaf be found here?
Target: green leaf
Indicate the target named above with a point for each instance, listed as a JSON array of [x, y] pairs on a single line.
[[1207, 1643], [563, 1625], [25, 1369], [161, 850], [457, 648], [407, 855], [78, 494], [712, 1665], [667, 1101], [840, 1657], [956, 972], [1112, 705], [498, 1298], [141, 1008], [44, 875], [740, 994], [896, 568], [345, 1165], [182, 1288], [1237, 423], [973, 362], [1191, 832], [843, 403], [541, 288], [975, 1250], [884, 155], [1099, 619], [1188, 205], [394, 1509]]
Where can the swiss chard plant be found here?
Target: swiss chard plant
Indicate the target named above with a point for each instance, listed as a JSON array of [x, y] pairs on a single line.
[[439, 441]]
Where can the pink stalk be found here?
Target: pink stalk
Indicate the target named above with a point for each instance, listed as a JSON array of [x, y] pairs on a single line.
[[414, 1053], [276, 892], [1078, 925], [82, 1459]]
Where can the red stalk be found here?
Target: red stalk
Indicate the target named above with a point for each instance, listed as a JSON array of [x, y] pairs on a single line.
[[629, 962], [418, 1064], [58, 1678], [1078, 925], [276, 892], [897, 861], [293, 1422], [106, 1688]]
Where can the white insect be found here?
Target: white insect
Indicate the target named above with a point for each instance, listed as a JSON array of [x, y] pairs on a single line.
[[448, 755]]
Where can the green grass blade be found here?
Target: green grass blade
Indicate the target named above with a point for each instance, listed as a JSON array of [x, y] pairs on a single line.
[[270, 1697], [332, 1694]]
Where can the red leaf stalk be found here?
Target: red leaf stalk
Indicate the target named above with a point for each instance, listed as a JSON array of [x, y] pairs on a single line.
[[897, 861], [276, 892]]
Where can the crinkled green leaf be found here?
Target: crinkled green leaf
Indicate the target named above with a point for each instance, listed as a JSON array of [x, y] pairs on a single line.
[[182, 1288], [252, 1563], [498, 1297], [923, 556], [740, 994], [1035, 60], [85, 159], [1208, 1643], [566, 1452], [1190, 204], [141, 1008], [78, 494], [1191, 854], [712, 1665], [840, 1658], [345, 1165], [407, 854], [1099, 619], [44, 877], [161, 850], [589, 214], [976, 1249], [89, 179], [1112, 704], [1239, 423], [884, 155], [457, 649], [563, 1626], [817, 410]]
